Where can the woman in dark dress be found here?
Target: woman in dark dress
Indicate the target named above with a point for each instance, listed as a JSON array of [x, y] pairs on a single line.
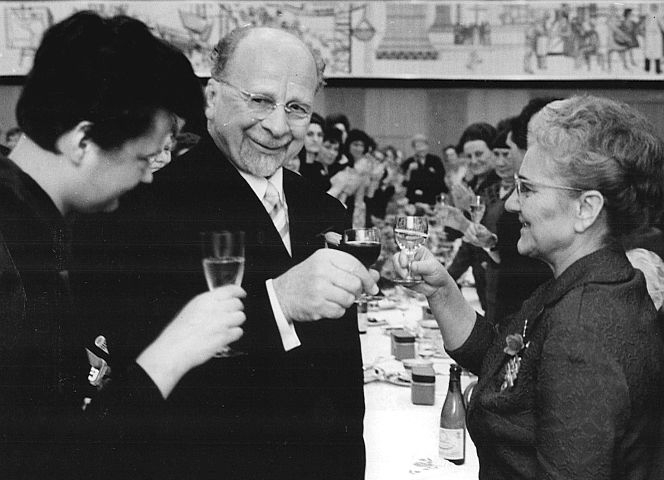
[[571, 387], [319, 172]]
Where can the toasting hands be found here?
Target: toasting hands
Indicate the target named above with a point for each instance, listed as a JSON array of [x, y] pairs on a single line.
[[323, 286]]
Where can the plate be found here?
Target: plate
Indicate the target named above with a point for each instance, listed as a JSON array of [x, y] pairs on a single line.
[[376, 322], [399, 379]]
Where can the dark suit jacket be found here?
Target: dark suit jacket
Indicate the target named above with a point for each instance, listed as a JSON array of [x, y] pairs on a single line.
[[426, 181], [269, 414]]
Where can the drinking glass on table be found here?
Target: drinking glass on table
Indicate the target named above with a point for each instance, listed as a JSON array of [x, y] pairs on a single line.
[[410, 232], [223, 264], [477, 208], [363, 244]]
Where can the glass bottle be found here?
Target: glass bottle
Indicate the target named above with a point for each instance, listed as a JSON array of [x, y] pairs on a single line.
[[362, 315], [452, 438]]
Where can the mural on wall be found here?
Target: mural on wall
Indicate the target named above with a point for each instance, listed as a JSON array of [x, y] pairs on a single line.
[[427, 39]]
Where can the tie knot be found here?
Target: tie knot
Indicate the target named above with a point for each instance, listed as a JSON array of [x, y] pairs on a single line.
[[271, 194]]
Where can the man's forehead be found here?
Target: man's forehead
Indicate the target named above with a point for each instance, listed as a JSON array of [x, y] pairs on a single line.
[[273, 52]]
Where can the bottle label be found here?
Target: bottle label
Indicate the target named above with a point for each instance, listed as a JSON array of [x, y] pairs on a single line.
[[450, 446]]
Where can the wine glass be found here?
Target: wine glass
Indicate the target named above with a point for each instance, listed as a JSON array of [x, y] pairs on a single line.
[[363, 244], [477, 208], [223, 264], [442, 211], [410, 232]]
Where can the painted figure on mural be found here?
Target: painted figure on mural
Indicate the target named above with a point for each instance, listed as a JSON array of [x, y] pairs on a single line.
[[618, 40], [653, 48], [588, 45], [537, 44], [630, 27]]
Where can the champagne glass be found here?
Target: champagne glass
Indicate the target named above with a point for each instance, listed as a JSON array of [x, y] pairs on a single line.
[[363, 244], [477, 208], [410, 232], [223, 264]]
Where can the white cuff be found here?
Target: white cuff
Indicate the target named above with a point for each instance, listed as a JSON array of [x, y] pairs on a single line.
[[286, 329]]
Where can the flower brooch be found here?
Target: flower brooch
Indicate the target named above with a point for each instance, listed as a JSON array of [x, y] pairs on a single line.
[[515, 346]]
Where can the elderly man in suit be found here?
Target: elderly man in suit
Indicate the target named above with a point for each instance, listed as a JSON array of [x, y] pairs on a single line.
[[293, 405]]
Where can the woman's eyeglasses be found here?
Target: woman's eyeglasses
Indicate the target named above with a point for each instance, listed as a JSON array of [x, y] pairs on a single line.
[[262, 106], [524, 186]]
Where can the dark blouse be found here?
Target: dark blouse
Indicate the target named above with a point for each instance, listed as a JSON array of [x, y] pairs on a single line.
[[586, 402]]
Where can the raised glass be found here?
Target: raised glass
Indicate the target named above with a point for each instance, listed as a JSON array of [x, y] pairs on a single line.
[[410, 232], [223, 264]]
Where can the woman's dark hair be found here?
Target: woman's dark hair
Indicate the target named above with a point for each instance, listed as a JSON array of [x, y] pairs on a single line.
[[332, 134], [111, 72], [332, 119], [477, 131], [600, 144], [318, 120], [353, 136], [520, 122]]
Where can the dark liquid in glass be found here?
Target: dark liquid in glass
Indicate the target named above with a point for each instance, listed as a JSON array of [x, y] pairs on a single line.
[[365, 252]]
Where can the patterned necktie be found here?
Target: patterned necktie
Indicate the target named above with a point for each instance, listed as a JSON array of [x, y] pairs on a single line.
[[278, 214]]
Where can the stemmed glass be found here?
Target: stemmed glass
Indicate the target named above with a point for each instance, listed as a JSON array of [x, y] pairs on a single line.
[[410, 232], [477, 208], [441, 208], [223, 264], [363, 244]]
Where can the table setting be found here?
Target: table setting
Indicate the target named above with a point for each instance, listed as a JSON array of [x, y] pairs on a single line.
[[401, 437]]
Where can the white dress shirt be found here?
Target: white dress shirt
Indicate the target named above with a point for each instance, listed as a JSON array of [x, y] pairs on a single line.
[[289, 338]]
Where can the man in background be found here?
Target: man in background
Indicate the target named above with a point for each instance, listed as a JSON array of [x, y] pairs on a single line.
[[425, 174]]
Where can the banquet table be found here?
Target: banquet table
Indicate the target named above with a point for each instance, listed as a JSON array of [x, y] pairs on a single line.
[[402, 438]]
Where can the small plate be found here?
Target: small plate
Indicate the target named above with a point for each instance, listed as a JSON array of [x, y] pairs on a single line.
[[376, 322], [399, 379]]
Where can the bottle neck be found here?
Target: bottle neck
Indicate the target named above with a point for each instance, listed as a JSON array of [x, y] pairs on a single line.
[[455, 383]]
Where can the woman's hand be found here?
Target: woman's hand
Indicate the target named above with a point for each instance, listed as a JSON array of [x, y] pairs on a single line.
[[462, 196], [478, 235], [204, 326], [426, 266]]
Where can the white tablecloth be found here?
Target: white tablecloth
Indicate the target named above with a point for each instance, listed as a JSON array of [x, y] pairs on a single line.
[[402, 438]]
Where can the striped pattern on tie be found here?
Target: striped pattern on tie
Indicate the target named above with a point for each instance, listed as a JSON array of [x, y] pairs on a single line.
[[278, 214]]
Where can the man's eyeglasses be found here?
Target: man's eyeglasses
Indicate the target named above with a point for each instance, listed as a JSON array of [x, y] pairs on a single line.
[[262, 106], [524, 186]]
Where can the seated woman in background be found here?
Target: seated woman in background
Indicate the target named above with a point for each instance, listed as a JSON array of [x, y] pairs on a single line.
[[319, 172], [455, 166], [572, 386], [312, 140], [356, 146]]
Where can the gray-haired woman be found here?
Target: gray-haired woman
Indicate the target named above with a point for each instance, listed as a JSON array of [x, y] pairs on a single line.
[[571, 387]]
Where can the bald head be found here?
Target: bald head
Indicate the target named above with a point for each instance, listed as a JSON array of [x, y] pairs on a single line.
[[262, 38]]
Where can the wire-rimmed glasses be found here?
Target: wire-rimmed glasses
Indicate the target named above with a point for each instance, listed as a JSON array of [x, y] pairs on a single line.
[[524, 186], [261, 106]]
